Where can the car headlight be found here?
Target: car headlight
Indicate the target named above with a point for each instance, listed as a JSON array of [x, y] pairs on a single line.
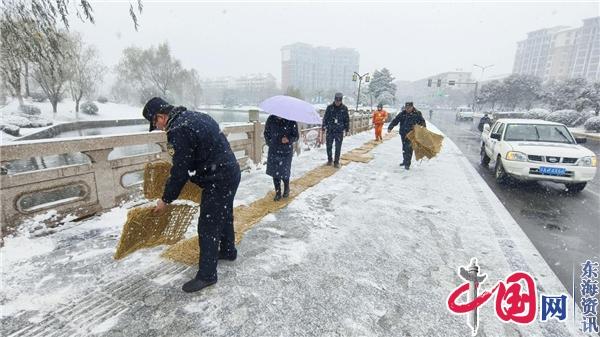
[[516, 156], [588, 161]]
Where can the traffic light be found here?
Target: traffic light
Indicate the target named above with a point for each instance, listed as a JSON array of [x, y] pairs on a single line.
[[429, 81], [354, 78], [368, 79], [439, 82]]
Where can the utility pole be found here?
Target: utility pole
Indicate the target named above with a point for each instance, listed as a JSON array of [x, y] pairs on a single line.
[[356, 76], [483, 68], [476, 84]]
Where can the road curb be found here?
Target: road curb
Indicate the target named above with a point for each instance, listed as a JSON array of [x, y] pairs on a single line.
[[587, 135], [519, 251]]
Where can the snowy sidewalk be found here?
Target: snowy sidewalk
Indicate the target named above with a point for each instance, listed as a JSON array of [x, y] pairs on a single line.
[[371, 251]]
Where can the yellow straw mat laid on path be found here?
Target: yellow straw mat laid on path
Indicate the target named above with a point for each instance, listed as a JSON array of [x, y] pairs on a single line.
[[188, 251], [143, 229]]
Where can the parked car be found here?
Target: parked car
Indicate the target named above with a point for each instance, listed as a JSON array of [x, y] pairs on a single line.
[[531, 149], [464, 113]]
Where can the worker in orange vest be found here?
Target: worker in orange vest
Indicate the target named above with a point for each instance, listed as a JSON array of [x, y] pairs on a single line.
[[379, 117]]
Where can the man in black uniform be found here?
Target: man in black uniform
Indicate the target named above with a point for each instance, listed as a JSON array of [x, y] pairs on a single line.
[[483, 121], [201, 153], [408, 118], [335, 122]]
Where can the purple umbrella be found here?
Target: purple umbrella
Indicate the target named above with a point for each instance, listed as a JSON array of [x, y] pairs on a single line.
[[291, 108]]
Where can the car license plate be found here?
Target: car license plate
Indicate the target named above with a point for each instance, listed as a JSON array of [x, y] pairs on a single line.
[[553, 171]]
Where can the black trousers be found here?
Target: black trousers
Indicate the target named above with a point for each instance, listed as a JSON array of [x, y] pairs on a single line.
[[407, 151], [338, 137], [215, 225], [277, 184]]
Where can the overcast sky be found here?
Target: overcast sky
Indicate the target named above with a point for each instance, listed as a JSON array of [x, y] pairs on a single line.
[[414, 40]]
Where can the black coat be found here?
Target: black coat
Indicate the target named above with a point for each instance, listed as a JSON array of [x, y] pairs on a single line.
[[279, 162], [484, 120], [407, 121], [200, 151], [336, 119]]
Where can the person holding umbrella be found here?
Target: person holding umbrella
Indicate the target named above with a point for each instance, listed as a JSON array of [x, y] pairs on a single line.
[[335, 122], [280, 135], [281, 131]]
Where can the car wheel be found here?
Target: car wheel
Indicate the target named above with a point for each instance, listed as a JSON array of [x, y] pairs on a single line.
[[500, 173], [485, 160], [575, 188]]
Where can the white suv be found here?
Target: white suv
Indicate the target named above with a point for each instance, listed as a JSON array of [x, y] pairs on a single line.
[[464, 113], [531, 149]]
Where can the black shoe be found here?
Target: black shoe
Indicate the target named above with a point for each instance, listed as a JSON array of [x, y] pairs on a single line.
[[407, 167], [286, 193], [195, 285], [402, 164], [277, 196], [231, 256], [336, 165], [329, 163]]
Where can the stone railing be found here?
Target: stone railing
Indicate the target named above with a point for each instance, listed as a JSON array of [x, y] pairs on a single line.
[[103, 182], [360, 123], [108, 174]]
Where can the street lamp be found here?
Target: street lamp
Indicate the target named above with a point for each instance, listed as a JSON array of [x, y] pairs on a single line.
[[357, 76], [483, 68]]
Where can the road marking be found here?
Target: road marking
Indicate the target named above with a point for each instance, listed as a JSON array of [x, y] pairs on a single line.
[[594, 193]]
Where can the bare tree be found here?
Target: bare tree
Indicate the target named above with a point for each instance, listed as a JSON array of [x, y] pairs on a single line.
[[34, 25], [87, 72], [150, 70], [51, 69], [188, 88], [11, 59], [46, 15], [26, 77]]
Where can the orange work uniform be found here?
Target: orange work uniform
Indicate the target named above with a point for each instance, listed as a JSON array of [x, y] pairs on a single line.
[[379, 117]]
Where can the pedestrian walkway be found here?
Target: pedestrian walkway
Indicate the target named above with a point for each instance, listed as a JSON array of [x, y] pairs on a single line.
[[372, 250], [187, 251]]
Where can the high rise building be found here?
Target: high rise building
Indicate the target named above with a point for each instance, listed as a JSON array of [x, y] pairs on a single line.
[[533, 53], [316, 70], [586, 52], [560, 57], [561, 52]]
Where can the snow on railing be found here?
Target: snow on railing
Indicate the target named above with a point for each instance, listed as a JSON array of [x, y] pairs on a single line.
[[105, 181]]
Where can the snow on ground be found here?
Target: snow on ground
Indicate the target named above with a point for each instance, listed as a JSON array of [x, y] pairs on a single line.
[[581, 132], [371, 251], [306, 161], [30, 241], [222, 107], [66, 110], [66, 113]]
